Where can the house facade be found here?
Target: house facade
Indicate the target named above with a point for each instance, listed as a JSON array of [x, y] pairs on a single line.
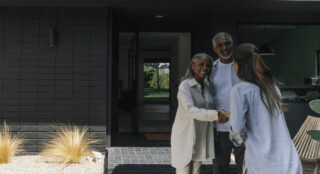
[[72, 62]]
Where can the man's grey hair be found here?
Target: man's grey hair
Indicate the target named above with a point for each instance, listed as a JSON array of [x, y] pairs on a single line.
[[189, 74], [223, 35]]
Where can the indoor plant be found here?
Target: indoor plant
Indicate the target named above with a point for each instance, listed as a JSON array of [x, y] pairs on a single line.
[[315, 106]]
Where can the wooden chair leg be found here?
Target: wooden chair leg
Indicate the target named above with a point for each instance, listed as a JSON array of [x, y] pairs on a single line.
[[316, 168]]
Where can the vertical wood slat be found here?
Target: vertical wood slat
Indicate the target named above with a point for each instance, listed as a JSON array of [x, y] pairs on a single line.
[[299, 138], [311, 153]]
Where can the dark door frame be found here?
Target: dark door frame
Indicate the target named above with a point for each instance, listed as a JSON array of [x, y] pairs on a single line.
[[135, 24]]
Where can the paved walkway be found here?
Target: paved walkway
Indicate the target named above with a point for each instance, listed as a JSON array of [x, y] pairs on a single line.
[[152, 157], [140, 156]]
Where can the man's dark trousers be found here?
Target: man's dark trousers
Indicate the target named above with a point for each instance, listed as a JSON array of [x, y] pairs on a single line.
[[223, 151]]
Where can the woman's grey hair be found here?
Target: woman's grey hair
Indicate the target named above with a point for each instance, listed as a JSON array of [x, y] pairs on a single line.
[[189, 74], [223, 35]]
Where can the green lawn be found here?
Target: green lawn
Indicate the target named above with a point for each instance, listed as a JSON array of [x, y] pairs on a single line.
[[156, 93]]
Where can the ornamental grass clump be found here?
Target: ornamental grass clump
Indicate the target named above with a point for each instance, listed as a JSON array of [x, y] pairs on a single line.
[[68, 145], [10, 144]]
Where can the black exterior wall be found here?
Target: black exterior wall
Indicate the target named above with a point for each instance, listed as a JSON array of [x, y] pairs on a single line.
[[44, 85]]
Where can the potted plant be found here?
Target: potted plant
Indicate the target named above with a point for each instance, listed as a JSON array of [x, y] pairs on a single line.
[[315, 106]]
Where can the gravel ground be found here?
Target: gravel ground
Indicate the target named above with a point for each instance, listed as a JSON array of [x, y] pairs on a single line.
[[38, 165], [34, 164]]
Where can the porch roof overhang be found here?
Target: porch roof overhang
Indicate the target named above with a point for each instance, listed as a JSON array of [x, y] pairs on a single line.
[[181, 7]]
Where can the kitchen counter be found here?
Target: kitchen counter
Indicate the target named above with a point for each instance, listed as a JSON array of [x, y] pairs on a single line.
[[296, 114], [297, 100], [300, 93]]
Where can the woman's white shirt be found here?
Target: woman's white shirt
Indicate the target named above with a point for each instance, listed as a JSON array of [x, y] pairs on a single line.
[[192, 131]]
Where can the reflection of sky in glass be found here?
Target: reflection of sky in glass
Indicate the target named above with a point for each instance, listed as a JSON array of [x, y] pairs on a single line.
[[160, 65], [163, 66]]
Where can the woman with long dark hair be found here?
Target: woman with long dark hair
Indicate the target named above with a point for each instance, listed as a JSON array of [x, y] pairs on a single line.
[[257, 118]]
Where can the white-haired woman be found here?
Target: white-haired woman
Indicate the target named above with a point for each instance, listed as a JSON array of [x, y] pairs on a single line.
[[192, 131]]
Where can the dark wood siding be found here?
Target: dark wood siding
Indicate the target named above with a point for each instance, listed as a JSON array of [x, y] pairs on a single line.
[[40, 85]]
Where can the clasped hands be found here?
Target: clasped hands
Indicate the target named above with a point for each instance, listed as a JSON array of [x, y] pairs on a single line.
[[223, 116]]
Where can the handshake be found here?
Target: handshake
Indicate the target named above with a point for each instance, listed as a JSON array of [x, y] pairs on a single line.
[[223, 116]]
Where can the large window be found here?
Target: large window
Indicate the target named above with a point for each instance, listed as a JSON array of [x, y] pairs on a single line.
[[294, 47], [156, 79]]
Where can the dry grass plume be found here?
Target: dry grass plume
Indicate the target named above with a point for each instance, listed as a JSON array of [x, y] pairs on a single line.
[[68, 145], [9, 144]]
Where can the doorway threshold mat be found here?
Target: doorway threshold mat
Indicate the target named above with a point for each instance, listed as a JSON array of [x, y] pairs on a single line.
[[157, 137]]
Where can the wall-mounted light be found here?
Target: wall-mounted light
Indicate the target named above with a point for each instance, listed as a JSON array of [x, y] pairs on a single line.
[[52, 37], [159, 16]]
